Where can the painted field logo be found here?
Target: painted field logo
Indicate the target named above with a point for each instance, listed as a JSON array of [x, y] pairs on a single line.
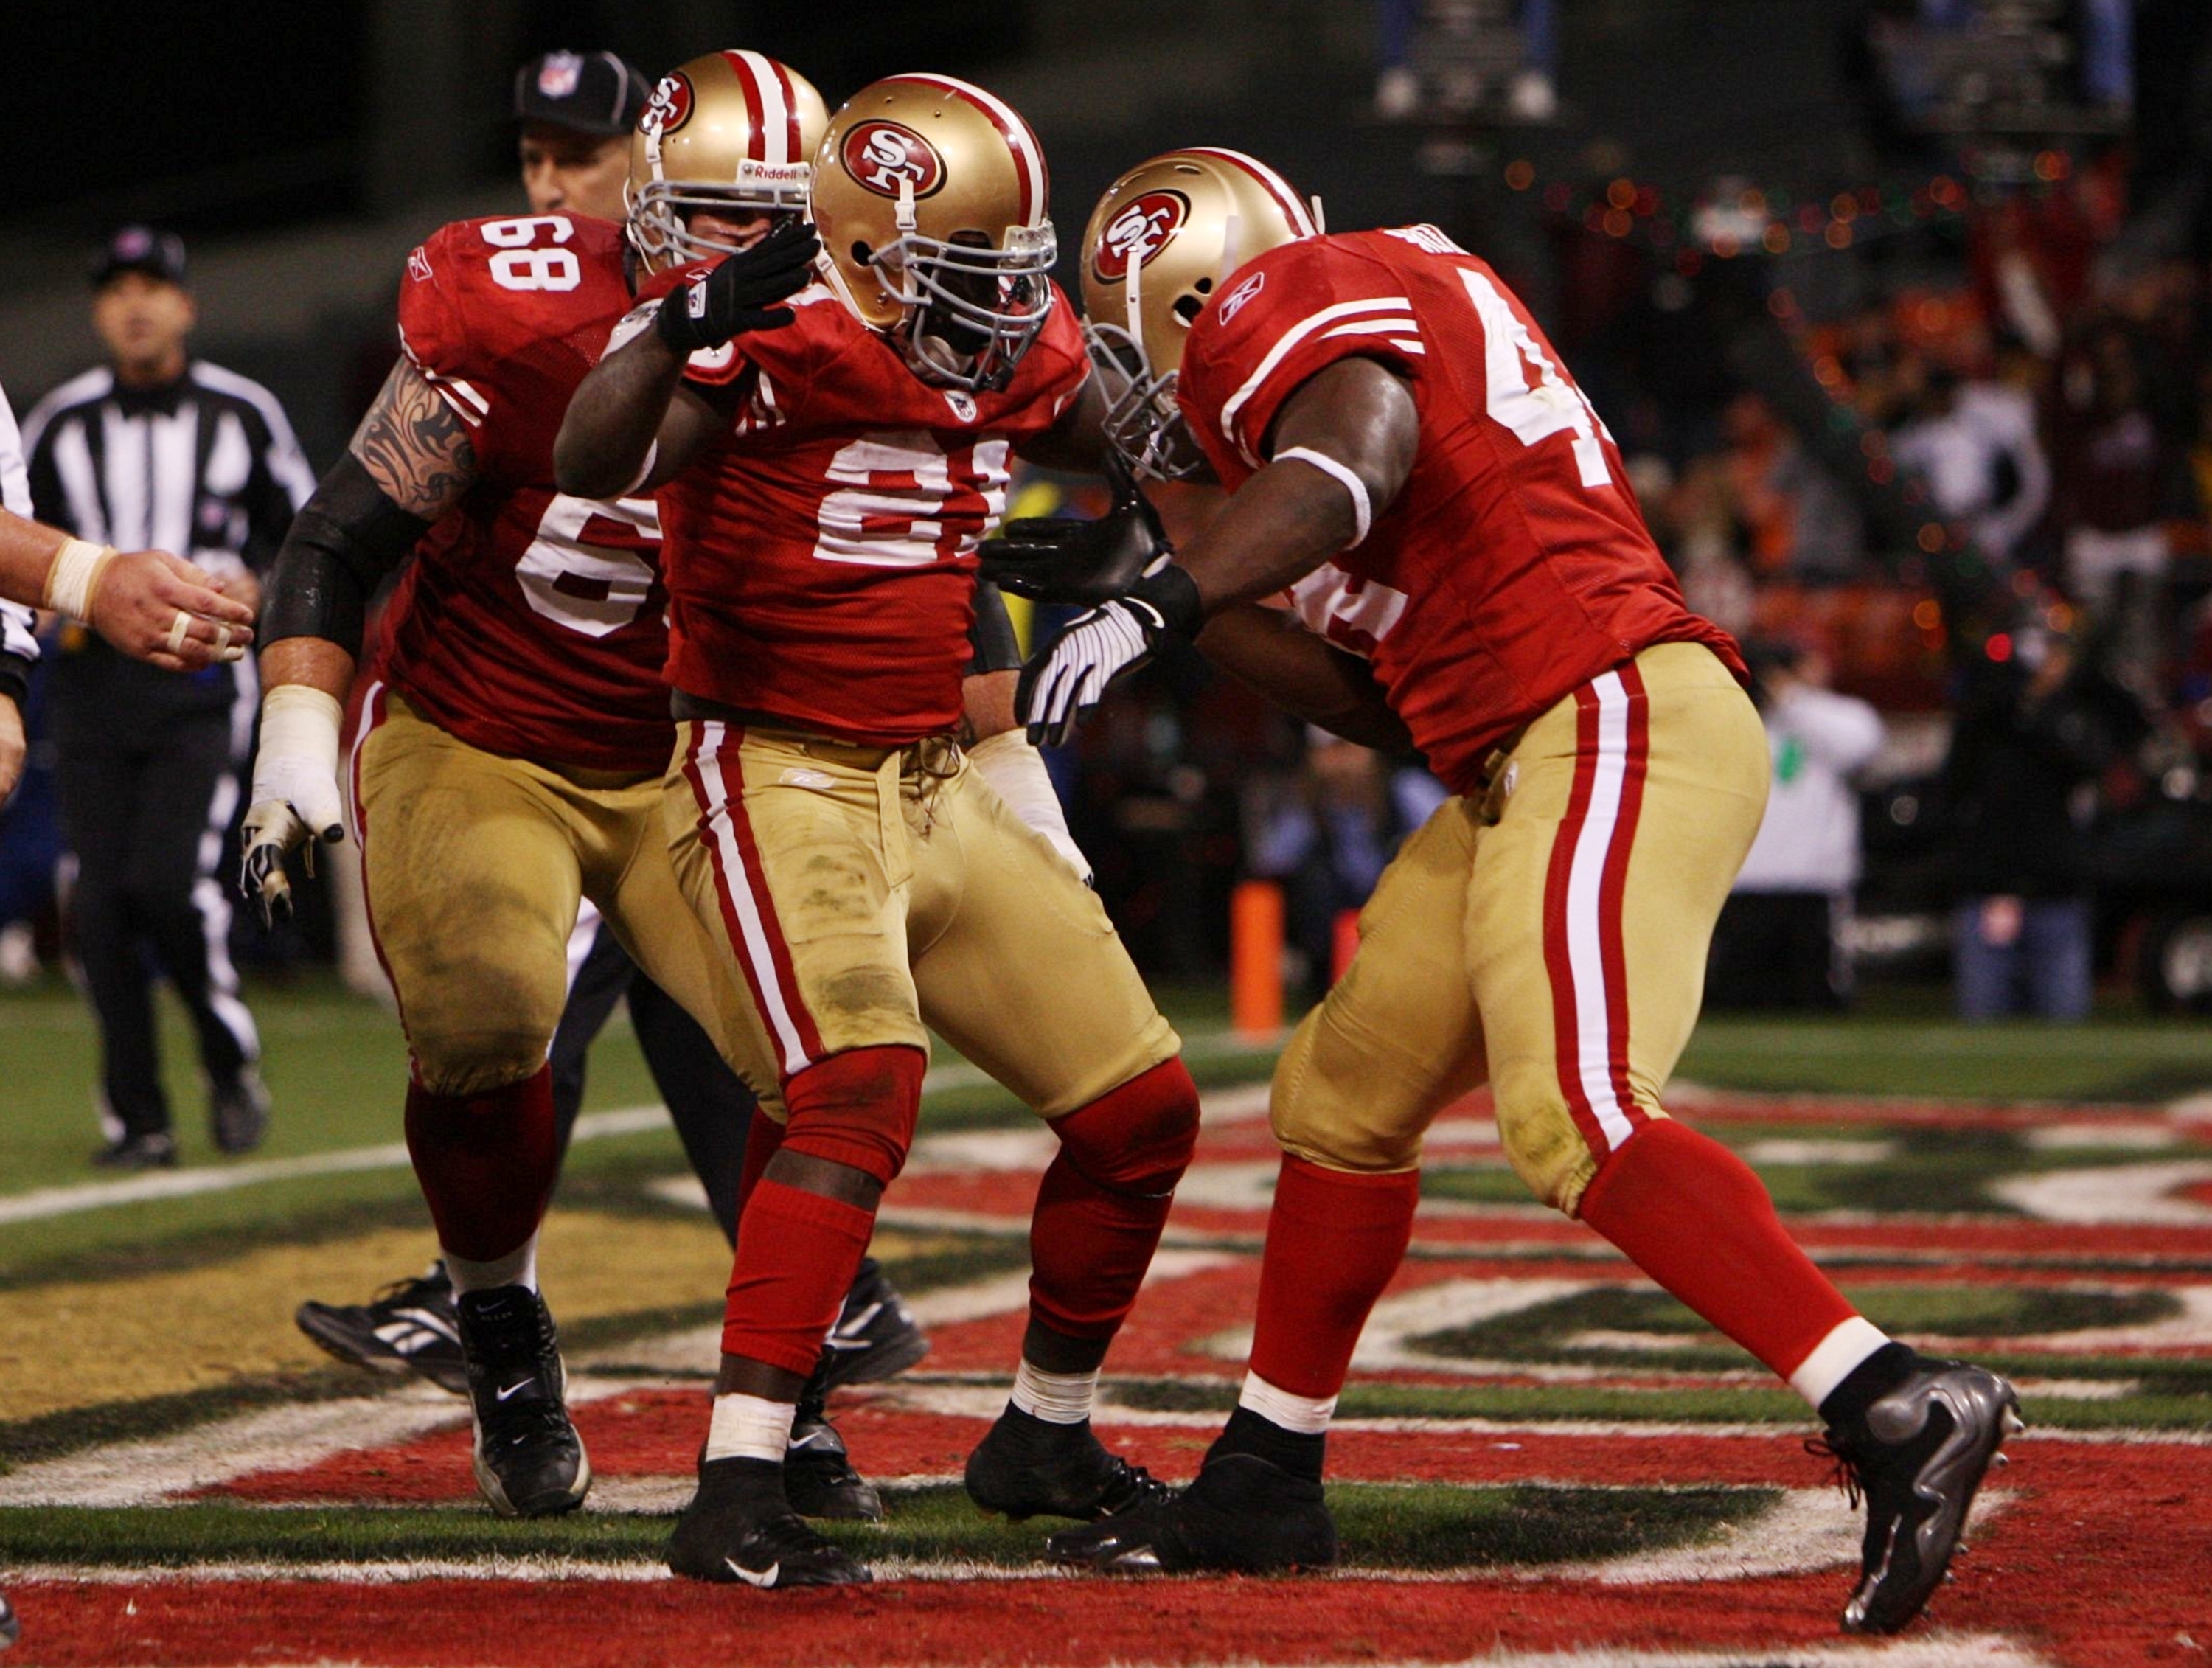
[[671, 105], [879, 154], [1139, 232]]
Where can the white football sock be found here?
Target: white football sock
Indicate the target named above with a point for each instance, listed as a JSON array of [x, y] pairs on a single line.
[[1058, 1398], [750, 1427], [1835, 1357], [1306, 1415], [518, 1267]]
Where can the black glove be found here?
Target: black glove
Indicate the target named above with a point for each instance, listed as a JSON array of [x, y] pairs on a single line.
[[1096, 649], [739, 295], [1053, 559]]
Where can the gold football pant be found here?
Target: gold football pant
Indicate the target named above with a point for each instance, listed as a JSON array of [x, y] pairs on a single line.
[[474, 863], [1549, 938], [869, 895]]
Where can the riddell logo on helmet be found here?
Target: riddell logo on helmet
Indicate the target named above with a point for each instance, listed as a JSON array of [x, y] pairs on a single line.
[[1139, 232], [671, 104], [880, 154]]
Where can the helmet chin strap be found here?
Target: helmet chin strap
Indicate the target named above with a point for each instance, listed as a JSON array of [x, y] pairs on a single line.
[[902, 218]]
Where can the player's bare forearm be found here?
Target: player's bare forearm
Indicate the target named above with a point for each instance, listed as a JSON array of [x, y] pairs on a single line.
[[414, 445], [1296, 513], [26, 557], [316, 662], [987, 702], [1268, 651], [1076, 442], [616, 418]]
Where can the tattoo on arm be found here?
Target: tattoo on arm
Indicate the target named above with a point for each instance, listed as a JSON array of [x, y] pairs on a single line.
[[415, 448]]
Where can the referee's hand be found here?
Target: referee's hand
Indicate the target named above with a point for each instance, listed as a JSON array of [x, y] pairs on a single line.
[[167, 612]]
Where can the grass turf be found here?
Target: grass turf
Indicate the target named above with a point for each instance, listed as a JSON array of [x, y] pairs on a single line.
[[1426, 1526]]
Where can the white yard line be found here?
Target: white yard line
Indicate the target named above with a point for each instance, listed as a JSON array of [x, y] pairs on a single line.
[[41, 1204]]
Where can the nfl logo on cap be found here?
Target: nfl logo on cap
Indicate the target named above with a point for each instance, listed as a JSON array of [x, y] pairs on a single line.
[[558, 75]]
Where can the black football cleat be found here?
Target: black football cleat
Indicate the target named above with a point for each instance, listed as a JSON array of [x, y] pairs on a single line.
[[727, 1534], [238, 1112], [1241, 1514], [529, 1462], [876, 1335], [1025, 1467], [411, 1326], [818, 1476], [1917, 1455], [149, 1149]]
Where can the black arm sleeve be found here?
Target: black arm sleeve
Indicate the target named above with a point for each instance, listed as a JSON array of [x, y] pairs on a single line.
[[991, 637], [338, 552], [14, 678]]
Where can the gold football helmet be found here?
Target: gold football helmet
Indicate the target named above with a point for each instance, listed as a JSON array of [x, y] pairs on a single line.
[[1168, 234], [731, 132], [931, 198]]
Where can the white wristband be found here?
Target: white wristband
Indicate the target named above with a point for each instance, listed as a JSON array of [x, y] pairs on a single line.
[[1016, 774], [74, 576], [1362, 510], [298, 763]]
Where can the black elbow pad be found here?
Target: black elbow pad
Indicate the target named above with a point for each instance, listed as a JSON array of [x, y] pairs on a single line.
[[991, 640], [339, 549]]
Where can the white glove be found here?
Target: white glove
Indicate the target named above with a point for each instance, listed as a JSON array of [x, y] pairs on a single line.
[[1070, 674], [295, 799], [1016, 772]]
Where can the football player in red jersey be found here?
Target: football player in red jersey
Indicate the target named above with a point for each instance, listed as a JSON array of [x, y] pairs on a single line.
[[1411, 461], [826, 468], [519, 727]]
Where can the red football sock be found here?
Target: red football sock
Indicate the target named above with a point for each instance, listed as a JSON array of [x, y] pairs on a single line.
[[797, 1253], [1334, 1240], [486, 1163], [798, 1250], [1695, 1217], [1105, 1199], [762, 1140]]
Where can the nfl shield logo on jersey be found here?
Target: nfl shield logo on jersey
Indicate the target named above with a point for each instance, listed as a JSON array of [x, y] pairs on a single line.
[[558, 75], [962, 407]]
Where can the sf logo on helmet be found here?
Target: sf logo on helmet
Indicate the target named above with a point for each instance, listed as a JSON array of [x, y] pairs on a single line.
[[1139, 232], [671, 104], [880, 154]]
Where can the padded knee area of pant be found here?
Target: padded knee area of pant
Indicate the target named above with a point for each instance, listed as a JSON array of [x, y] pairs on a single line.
[[1138, 1138], [857, 1108], [475, 1062], [1321, 1111], [1538, 1132]]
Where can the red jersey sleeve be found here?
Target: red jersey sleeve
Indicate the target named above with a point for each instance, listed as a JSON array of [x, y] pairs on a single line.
[[787, 348], [486, 310], [1294, 311]]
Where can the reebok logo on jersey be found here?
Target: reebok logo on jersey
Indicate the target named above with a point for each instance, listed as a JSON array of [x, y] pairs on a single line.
[[806, 779], [1233, 303]]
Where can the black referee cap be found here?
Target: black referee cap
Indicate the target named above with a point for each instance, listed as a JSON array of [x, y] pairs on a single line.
[[140, 249], [596, 93]]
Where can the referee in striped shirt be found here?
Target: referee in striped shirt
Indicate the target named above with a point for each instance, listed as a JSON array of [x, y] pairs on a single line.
[[159, 449]]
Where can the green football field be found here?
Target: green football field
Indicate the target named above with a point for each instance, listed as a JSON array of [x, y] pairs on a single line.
[[184, 1478]]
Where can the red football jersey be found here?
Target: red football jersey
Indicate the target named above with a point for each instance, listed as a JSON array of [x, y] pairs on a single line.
[[1514, 565], [530, 623], [821, 559]]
